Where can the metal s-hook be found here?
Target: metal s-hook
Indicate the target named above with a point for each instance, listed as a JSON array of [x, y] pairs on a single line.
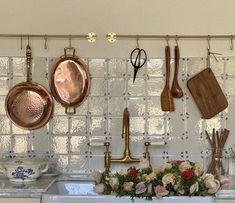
[[231, 40], [45, 42], [167, 40], [176, 40], [208, 59], [21, 42], [70, 41], [137, 41], [208, 42], [28, 39]]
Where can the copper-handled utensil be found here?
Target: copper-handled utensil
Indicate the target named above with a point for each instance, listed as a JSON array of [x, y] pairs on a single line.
[[167, 102], [176, 90]]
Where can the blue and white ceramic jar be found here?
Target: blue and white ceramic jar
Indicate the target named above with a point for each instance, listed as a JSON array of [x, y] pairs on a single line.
[[23, 169]]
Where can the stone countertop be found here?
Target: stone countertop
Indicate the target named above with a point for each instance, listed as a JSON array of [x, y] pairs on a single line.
[[27, 190]]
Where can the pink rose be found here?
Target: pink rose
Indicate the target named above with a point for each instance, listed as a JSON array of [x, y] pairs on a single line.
[[224, 180], [160, 191], [99, 188], [128, 186], [96, 175], [184, 166], [140, 188], [144, 163], [114, 183], [158, 169]]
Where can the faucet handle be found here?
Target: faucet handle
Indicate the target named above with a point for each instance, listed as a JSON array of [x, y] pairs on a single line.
[[107, 157], [146, 153]]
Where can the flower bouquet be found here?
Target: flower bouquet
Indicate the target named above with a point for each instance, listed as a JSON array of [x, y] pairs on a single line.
[[174, 178]]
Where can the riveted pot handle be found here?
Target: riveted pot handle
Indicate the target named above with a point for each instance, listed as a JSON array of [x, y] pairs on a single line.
[[43, 170], [69, 49]]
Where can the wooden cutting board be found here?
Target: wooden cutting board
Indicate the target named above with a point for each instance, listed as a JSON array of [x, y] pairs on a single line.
[[207, 93]]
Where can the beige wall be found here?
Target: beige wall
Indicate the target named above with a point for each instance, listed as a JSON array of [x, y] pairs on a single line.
[[120, 16]]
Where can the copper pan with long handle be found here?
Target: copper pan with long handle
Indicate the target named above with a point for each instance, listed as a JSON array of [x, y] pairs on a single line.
[[70, 80], [28, 104]]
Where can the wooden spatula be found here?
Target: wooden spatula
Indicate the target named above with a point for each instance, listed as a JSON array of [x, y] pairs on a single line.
[[167, 102]]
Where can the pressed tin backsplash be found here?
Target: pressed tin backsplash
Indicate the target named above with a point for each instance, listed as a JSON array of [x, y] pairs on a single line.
[[99, 119]]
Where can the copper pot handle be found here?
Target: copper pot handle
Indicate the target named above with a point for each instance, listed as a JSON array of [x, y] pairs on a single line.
[[69, 48], [28, 62], [70, 110]]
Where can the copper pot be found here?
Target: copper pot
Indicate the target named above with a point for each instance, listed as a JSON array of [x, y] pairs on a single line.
[[70, 81], [28, 104]]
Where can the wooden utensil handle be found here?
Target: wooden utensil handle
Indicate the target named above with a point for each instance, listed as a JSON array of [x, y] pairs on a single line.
[[167, 58], [177, 58]]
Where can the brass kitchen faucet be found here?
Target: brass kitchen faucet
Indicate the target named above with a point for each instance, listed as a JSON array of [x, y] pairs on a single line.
[[127, 158]]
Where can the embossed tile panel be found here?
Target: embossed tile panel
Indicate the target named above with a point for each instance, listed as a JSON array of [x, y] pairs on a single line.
[[74, 141]]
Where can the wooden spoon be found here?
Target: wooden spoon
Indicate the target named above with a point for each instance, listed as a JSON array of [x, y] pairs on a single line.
[[167, 102], [176, 90]]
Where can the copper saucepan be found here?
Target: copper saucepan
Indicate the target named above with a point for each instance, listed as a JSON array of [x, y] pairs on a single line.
[[28, 104], [70, 81]]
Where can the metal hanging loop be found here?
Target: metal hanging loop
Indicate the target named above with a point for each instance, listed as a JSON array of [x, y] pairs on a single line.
[[21, 42], [167, 40], [45, 42], [208, 65], [28, 39], [70, 41], [231, 40], [208, 42], [176, 40], [137, 41]]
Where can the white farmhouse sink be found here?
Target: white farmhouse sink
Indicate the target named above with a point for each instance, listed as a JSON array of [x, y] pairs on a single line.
[[82, 192]]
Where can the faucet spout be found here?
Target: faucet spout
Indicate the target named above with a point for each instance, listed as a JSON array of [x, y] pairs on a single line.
[[126, 135]]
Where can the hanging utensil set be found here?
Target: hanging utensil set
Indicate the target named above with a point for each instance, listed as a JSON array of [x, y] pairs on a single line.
[[30, 106]]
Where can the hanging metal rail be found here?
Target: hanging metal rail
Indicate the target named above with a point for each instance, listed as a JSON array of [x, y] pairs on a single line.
[[91, 37], [112, 37]]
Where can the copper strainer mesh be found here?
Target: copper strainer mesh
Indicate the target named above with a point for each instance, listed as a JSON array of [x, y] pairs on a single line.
[[28, 107]]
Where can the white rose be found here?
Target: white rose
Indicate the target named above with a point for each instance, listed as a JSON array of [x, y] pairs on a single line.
[[114, 183], [150, 177], [166, 166], [194, 188], [184, 166], [208, 176], [168, 178], [99, 188], [198, 170], [215, 187], [96, 175], [123, 171], [182, 191]]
